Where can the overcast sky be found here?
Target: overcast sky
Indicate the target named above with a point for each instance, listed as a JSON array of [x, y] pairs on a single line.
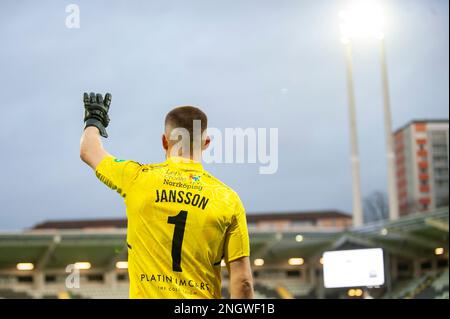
[[247, 63]]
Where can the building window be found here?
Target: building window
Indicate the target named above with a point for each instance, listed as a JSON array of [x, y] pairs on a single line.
[[302, 223], [426, 265], [293, 273], [441, 183], [122, 277], [25, 279], [442, 263], [97, 278], [403, 266], [441, 171]]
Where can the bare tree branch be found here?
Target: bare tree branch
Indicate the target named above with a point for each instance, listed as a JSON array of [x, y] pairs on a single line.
[[376, 207]]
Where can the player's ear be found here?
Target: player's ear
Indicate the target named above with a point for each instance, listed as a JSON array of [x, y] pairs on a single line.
[[206, 143], [165, 142]]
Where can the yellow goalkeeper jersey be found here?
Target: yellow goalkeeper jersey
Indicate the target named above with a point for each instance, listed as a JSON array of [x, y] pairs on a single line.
[[182, 222]]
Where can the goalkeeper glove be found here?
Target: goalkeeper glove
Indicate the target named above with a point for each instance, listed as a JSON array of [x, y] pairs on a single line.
[[96, 111]]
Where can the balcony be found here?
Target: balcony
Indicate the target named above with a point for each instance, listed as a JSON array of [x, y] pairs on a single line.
[[424, 189], [425, 201], [422, 153], [423, 165], [421, 141]]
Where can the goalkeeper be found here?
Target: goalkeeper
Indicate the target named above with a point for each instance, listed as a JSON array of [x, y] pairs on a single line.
[[183, 223]]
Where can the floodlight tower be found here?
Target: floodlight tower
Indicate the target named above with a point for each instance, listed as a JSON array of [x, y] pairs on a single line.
[[366, 20]]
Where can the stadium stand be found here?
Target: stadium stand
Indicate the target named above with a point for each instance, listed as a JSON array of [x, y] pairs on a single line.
[[405, 289], [11, 294], [287, 288], [265, 292], [96, 291], [435, 287], [430, 285], [415, 247]]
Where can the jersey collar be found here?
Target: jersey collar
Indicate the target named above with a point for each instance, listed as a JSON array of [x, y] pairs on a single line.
[[185, 163]]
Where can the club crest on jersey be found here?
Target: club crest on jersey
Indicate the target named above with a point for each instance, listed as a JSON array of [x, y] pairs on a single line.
[[194, 178]]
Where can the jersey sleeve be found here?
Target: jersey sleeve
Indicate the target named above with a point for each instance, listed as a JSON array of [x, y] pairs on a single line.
[[237, 243], [117, 174]]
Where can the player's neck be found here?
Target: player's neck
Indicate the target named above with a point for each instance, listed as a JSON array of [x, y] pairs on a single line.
[[187, 157]]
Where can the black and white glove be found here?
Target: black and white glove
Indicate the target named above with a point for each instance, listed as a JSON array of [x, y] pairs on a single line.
[[96, 111]]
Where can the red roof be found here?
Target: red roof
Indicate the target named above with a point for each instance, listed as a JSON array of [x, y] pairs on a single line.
[[82, 224], [296, 216], [251, 218]]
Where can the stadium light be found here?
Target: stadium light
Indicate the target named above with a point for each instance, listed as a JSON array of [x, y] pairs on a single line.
[[259, 262], [82, 265], [25, 266], [299, 238], [365, 19], [122, 265], [296, 261], [439, 251], [355, 292], [63, 295]]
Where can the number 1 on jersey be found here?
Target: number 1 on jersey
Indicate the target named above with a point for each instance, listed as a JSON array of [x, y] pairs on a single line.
[[180, 223]]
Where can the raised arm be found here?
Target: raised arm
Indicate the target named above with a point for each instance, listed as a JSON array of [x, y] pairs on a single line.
[[96, 120], [241, 279], [91, 147]]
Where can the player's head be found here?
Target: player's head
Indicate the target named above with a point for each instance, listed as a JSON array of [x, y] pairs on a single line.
[[185, 132]]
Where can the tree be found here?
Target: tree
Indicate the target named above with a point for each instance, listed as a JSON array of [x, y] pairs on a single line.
[[376, 207]]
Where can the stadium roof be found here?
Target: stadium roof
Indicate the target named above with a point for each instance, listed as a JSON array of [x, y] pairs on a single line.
[[297, 216], [82, 224], [410, 237], [252, 218]]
